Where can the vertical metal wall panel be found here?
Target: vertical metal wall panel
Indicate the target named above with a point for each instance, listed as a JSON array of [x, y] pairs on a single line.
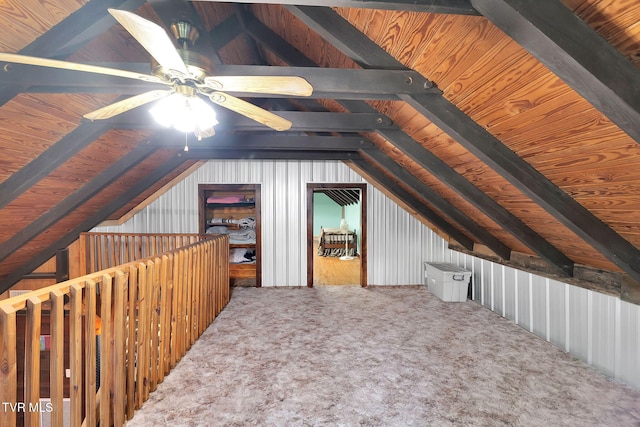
[[268, 231], [486, 268], [602, 343], [510, 300], [391, 245], [497, 284], [478, 280], [556, 318], [578, 339], [539, 306], [524, 299], [629, 344]]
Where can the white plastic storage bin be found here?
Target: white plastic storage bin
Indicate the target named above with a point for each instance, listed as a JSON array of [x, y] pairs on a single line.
[[447, 281]]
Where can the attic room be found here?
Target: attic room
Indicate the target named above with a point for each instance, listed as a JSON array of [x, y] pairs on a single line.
[[497, 136]]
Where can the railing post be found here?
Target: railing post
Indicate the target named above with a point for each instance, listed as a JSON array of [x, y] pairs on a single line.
[[57, 356], [106, 348], [32, 362], [75, 354], [132, 342], [8, 366], [90, 353]]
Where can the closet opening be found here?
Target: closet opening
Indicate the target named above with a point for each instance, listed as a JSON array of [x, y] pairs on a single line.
[[336, 234]]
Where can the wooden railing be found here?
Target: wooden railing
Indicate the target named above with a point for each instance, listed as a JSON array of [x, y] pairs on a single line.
[[106, 250], [118, 332]]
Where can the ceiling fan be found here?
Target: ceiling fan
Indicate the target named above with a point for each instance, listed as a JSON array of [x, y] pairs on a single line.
[[186, 73]]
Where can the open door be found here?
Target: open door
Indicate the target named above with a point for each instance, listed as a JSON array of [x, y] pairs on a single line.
[[336, 234]]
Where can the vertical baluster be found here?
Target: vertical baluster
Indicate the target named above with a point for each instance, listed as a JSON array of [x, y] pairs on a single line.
[[8, 361], [75, 354], [119, 338], [90, 353], [57, 356], [32, 362], [132, 329]]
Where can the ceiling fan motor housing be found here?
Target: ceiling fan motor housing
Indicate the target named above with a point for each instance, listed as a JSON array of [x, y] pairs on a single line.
[[199, 67]]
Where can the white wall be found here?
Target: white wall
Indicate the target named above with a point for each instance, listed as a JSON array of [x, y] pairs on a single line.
[[599, 329], [398, 243]]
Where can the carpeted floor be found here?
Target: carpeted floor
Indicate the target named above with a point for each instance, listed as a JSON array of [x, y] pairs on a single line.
[[381, 356]]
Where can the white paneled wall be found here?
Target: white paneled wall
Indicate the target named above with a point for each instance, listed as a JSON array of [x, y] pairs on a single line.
[[599, 329], [398, 243]]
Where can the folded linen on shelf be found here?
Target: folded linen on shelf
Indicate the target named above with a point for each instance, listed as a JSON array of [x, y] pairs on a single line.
[[217, 229], [242, 256], [226, 199], [246, 235]]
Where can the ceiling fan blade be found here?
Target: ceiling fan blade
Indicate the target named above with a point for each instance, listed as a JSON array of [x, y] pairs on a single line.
[[153, 38], [254, 112], [127, 104], [73, 66], [281, 85]]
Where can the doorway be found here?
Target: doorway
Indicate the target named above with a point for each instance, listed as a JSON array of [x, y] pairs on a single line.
[[333, 206]]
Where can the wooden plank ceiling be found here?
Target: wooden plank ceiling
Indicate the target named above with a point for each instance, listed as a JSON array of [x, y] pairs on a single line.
[[511, 128]]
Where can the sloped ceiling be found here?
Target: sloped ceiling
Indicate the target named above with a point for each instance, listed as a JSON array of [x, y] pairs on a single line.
[[509, 126]]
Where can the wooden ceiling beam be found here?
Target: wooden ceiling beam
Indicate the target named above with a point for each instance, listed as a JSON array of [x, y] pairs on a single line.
[[91, 221], [280, 141], [302, 121], [413, 202], [92, 25], [457, 7], [444, 206], [442, 171], [225, 32], [527, 179], [75, 199], [171, 11], [67, 147], [481, 143], [566, 45], [206, 153], [342, 83], [50, 44], [480, 200]]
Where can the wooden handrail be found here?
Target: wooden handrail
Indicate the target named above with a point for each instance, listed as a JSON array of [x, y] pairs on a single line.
[[106, 250], [139, 318]]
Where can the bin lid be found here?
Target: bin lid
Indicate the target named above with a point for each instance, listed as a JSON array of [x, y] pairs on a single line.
[[446, 267]]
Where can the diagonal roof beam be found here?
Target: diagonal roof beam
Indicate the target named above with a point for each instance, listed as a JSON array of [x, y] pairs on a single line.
[[481, 143], [438, 168], [400, 173], [413, 202], [458, 7], [115, 204], [99, 22], [74, 200], [49, 160], [170, 11], [65, 31], [225, 32], [574, 52]]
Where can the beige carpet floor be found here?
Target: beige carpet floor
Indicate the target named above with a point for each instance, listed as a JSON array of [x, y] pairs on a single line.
[[381, 356]]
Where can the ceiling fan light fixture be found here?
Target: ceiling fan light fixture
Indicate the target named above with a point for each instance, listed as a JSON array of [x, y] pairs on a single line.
[[188, 114]]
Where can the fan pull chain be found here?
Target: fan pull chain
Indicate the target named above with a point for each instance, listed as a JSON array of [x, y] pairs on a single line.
[[186, 141]]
